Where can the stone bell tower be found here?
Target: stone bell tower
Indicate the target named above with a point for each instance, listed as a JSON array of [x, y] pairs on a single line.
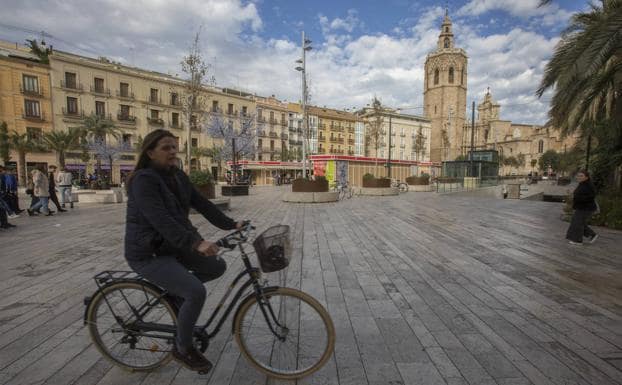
[[444, 95]]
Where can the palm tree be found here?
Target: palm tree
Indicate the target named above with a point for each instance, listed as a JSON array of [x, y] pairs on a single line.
[[586, 70], [96, 128], [23, 144], [61, 141]]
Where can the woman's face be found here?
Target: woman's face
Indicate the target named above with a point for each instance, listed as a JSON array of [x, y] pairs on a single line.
[[581, 177], [165, 152]]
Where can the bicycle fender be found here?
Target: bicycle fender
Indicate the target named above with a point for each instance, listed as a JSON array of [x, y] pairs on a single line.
[[89, 300], [250, 297]]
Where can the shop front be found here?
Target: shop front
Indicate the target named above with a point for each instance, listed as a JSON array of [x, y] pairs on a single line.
[[265, 172]]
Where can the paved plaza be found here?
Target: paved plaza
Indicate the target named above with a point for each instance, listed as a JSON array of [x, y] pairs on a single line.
[[423, 289]]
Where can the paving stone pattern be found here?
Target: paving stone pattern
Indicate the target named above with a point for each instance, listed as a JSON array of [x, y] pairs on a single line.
[[423, 289]]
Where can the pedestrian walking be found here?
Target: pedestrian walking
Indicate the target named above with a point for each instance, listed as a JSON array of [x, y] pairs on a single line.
[[41, 190], [11, 197], [4, 204], [52, 187], [584, 205], [64, 179]]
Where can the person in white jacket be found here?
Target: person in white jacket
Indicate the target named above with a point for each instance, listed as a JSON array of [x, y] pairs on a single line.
[[41, 189], [63, 182]]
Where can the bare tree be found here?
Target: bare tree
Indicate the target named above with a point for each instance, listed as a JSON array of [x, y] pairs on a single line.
[[107, 151], [374, 132], [194, 100]]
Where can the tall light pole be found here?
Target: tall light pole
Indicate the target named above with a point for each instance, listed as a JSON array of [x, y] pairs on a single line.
[[306, 46]]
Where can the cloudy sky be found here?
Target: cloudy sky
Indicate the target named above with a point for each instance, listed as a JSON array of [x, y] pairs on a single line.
[[360, 48]]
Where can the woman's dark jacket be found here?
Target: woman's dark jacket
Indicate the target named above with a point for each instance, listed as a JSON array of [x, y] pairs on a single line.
[[157, 220], [583, 196]]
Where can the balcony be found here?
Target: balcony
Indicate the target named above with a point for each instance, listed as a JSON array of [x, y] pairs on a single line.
[[126, 118], [233, 113], [100, 91], [71, 86], [261, 134], [284, 136], [273, 121], [321, 150], [155, 121], [284, 122], [321, 138], [176, 125], [35, 118], [273, 134], [103, 116], [351, 142], [351, 153], [36, 93], [125, 95], [403, 135], [154, 100], [175, 102], [261, 119], [73, 114], [216, 110], [351, 130]]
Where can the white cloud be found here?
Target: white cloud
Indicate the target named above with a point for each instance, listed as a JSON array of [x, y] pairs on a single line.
[[548, 15], [346, 69]]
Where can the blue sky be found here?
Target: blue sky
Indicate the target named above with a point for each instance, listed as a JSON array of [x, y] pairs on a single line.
[[361, 48]]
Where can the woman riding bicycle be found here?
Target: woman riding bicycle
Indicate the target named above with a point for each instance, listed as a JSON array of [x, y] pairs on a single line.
[[162, 245]]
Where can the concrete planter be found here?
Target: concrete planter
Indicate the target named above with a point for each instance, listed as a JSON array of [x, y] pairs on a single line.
[[380, 191], [311, 197], [309, 186], [234, 190], [419, 187], [207, 190], [113, 195], [449, 186]]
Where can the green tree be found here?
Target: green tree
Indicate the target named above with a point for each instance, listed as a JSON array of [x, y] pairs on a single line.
[[4, 143], [61, 141], [22, 144], [533, 163], [586, 70], [40, 52], [374, 131], [550, 159]]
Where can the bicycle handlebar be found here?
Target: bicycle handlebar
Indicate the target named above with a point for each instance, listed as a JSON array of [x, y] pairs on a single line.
[[238, 236]]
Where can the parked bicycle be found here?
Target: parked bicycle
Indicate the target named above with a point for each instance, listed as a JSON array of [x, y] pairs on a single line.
[[283, 332], [344, 190], [402, 186]]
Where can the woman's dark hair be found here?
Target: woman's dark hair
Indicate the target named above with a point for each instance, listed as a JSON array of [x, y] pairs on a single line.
[[584, 172], [149, 143]]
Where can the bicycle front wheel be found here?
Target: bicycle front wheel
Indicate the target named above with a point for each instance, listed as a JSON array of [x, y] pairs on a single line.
[[403, 187], [285, 333], [111, 317]]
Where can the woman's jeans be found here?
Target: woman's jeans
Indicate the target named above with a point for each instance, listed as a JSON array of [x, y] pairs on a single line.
[[173, 275], [578, 226], [42, 203], [65, 190]]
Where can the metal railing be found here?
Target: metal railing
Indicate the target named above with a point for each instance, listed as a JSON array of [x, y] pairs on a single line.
[[448, 184]]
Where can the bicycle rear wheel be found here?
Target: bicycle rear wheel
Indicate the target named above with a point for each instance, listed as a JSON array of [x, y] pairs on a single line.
[[303, 337], [403, 187], [111, 317]]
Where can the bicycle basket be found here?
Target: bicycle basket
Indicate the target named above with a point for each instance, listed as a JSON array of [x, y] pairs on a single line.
[[273, 249]]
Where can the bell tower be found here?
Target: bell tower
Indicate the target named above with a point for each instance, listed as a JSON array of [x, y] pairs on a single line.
[[444, 95]]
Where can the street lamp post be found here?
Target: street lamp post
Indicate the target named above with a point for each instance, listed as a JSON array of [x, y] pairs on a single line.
[[306, 46]]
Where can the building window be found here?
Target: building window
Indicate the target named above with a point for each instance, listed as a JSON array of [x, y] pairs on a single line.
[[244, 110], [99, 85], [462, 77], [32, 109], [155, 114], [447, 29], [195, 142], [72, 105], [124, 90], [31, 84], [446, 42], [153, 96], [259, 113], [34, 134], [127, 140], [435, 109], [230, 109], [540, 146], [70, 80], [100, 109], [215, 106], [451, 75], [174, 99], [436, 75], [125, 111], [175, 119]]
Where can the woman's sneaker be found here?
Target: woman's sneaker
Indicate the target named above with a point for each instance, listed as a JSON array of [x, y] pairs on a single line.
[[192, 360], [575, 243], [593, 239]]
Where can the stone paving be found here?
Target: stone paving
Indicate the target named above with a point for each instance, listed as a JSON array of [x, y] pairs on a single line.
[[422, 288]]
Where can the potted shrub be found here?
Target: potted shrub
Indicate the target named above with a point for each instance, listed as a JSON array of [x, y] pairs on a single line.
[[419, 183], [369, 180], [320, 184], [204, 183]]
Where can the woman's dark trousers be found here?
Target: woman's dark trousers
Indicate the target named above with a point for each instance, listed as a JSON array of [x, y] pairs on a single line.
[[174, 275], [578, 226]]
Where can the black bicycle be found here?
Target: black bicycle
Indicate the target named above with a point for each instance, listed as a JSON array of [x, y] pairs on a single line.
[[283, 332]]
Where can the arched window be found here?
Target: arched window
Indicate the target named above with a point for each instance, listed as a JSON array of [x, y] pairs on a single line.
[[451, 75], [501, 152], [436, 74], [446, 29], [540, 146], [446, 44], [462, 76]]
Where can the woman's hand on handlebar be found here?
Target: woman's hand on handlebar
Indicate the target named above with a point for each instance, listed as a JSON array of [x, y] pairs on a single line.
[[240, 224], [207, 248]]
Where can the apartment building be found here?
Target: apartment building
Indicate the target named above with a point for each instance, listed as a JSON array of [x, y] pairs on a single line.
[[26, 101], [272, 130]]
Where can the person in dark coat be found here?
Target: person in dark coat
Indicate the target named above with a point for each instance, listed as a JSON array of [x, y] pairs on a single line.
[[161, 243], [52, 185], [584, 205]]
